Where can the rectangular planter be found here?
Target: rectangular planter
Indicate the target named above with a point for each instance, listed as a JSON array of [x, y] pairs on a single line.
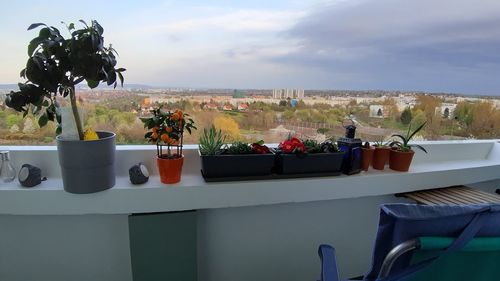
[[237, 165], [309, 163]]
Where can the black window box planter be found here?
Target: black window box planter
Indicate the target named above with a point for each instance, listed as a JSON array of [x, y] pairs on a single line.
[[237, 165], [309, 163]]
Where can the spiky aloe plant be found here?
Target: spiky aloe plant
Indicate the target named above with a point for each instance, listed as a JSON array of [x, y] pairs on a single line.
[[211, 141], [404, 145]]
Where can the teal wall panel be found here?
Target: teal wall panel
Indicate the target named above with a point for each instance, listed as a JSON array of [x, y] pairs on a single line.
[[163, 246]]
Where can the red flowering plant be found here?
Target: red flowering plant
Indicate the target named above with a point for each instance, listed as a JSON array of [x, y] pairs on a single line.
[[295, 145], [167, 129], [260, 148], [292, 145]]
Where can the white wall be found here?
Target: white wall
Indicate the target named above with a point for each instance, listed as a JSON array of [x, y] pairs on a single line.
[[280, 242], [64, 248]]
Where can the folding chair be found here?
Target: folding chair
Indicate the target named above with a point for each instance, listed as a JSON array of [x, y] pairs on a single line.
[[419, 242]]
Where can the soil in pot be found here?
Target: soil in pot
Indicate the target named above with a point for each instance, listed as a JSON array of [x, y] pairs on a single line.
[[366, 157], [170, 169], [400, 161], [380, 157]]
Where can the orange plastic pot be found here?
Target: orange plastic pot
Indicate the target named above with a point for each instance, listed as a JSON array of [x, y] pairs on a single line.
[[380, 157], [400, 161], [366, 157], [170, 169]]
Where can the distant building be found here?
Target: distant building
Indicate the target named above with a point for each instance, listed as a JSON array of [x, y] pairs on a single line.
[[447, 110], [242, 107], [377, 111], [227, 107], [239, 94], [283, 94], [211, 106]]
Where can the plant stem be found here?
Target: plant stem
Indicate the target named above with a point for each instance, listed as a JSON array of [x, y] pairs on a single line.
[[74, 107]]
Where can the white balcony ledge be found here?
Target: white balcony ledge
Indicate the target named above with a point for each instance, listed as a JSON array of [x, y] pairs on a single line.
[[448, 163]]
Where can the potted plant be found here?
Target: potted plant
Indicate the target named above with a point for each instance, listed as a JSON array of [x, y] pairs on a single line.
[[167, 132], [401, 157], [294, 156], [367, 152], [54, 67], [239, 159], [380, 155]]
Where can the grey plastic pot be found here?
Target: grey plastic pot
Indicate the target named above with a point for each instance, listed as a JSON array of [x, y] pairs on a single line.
[[87, 166]]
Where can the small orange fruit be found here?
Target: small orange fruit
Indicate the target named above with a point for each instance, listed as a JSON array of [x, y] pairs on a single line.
[[169, 129], [155, 130], [154, 136], [165, 138], [175, 116]]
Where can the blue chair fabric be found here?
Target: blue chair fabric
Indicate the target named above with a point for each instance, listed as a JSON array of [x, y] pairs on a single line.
[[401, 222]]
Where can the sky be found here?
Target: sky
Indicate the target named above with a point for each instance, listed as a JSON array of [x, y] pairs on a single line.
[[413, 45]]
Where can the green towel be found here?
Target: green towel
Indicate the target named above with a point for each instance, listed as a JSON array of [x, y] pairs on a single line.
[[479, 260]]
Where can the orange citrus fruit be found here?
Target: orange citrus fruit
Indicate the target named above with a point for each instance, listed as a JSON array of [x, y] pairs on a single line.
[[165, 138], [175, 116]]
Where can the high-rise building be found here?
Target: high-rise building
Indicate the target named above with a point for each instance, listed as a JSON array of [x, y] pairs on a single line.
[[283, 94]]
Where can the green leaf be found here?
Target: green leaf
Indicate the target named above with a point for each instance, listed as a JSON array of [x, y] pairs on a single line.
[[44, 33], [58, 129], [92, 83], [82, 21], [419, 147], [35, 25], [401, 137], [120, 76], [416, 131], [42, 121], [111, 77], [34, 44], [98, 27], [45, 103]]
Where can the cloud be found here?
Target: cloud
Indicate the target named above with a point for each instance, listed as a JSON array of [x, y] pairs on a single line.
[[380, 41], [240, 21]]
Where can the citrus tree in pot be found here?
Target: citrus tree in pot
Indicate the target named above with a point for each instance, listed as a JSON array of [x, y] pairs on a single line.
[[55, 66], [167, 132], [402, 155]]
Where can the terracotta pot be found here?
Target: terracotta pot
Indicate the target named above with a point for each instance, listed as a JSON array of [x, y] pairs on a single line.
[[380, 157], [170, 169], [366, 157], [400, 161]]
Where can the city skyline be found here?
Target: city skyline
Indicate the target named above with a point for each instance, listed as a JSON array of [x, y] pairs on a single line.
[[445, 46]]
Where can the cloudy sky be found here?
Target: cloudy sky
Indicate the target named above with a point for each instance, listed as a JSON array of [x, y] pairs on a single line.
[[430, 45]]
